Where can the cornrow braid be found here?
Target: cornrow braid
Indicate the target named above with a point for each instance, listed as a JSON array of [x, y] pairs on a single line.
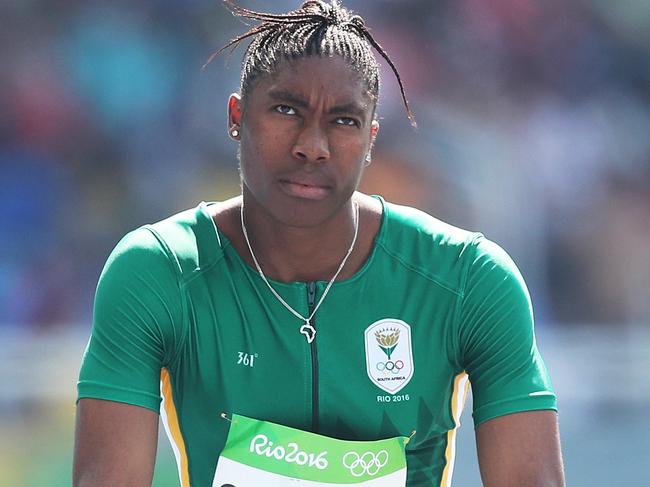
[[317, 28]]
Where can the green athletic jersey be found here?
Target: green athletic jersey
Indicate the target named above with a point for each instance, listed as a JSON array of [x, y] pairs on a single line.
[[179, 314]]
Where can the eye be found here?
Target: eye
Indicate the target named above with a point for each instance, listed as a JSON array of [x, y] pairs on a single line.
[[285, 109], [350, 122]]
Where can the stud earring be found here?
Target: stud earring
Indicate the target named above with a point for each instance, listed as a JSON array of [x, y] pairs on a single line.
[[234, 133]]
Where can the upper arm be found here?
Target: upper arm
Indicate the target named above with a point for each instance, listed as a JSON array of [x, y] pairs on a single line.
[[497, 339], [135, 333], [136, 317], [520, 450], [514, 404], [115, 444]]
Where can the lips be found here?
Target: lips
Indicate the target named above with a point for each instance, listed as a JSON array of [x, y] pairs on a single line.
[[306, 188]]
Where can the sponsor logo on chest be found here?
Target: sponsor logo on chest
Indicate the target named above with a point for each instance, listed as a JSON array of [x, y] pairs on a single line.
[[389, 355]]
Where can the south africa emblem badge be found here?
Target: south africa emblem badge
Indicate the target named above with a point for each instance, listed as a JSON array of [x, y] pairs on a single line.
[[389, 356]]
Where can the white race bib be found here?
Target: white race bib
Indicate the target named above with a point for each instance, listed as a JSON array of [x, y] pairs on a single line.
[[261, 453]]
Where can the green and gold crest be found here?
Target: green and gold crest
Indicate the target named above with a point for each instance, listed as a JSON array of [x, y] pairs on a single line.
[[387, 340]]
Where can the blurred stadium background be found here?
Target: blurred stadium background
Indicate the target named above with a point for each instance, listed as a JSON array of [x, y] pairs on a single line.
[[534, 128]]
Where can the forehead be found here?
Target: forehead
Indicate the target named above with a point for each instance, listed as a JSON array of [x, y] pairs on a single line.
[[317, 78]]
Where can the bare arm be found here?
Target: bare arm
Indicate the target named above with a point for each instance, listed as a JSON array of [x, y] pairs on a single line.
[[115, 444], [521, 450]]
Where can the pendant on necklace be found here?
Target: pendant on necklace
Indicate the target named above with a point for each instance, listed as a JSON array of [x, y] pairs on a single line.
[[309, 331]]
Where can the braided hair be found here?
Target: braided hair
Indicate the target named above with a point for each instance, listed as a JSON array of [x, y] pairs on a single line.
[[317, 28]]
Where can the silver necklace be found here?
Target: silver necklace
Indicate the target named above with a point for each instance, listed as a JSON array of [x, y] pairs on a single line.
[[306, 329]]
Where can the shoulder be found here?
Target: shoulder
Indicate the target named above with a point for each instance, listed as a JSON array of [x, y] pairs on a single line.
[[418, 224], [428, 245], [139, 247], [490, 258], [183, 243], [452, 256], [189, 239], [138, 257]]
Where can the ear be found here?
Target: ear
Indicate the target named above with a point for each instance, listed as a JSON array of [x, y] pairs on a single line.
[[374, 130], [234, 111]]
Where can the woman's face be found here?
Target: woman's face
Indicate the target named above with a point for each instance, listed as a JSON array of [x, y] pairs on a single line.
[[305, 133]]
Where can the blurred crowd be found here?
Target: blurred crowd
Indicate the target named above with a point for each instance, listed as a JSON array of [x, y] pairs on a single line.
[[534, 128]]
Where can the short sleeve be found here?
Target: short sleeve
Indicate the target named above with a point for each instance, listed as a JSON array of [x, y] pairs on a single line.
[[497, 336], [136, 316]]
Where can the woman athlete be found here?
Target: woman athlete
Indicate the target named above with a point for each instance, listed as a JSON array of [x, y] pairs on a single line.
[[305, 303]]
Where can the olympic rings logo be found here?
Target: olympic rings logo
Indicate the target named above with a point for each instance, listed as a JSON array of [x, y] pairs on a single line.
[[368, 463], [390, 366]]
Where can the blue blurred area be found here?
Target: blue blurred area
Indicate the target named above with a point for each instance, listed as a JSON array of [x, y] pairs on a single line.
[[533, 128]]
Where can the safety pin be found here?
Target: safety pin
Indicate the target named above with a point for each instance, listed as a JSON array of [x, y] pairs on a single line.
[[225, 416], [406, 441]]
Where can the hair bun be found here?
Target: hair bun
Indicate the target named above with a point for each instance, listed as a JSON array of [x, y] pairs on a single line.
[[357, 21], [335, 15]]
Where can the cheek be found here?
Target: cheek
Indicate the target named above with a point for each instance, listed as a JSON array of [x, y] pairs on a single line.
[[263, 139], [353, 150], [356, 141], [257, 157]]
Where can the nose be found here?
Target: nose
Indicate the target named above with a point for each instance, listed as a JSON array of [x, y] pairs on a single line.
[[312, 145]]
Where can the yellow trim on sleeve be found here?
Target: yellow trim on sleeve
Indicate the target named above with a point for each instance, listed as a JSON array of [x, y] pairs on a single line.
[[172, 426], [458, 397]]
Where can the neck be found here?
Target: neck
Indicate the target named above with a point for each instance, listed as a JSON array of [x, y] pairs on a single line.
[[291, 253]]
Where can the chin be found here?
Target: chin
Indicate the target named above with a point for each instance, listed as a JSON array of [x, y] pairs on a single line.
[[303, 213]]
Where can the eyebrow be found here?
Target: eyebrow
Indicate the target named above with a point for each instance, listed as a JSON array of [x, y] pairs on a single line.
[[352, 108], [282, 95]]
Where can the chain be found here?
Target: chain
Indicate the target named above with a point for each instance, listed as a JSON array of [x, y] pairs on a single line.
[[307, 326]]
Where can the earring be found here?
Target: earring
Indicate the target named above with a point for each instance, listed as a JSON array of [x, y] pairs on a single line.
[[234, 133], [368, 159]]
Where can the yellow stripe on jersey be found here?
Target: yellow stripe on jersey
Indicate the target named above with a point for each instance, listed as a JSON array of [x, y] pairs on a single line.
[[172, 427], [458, 396]]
